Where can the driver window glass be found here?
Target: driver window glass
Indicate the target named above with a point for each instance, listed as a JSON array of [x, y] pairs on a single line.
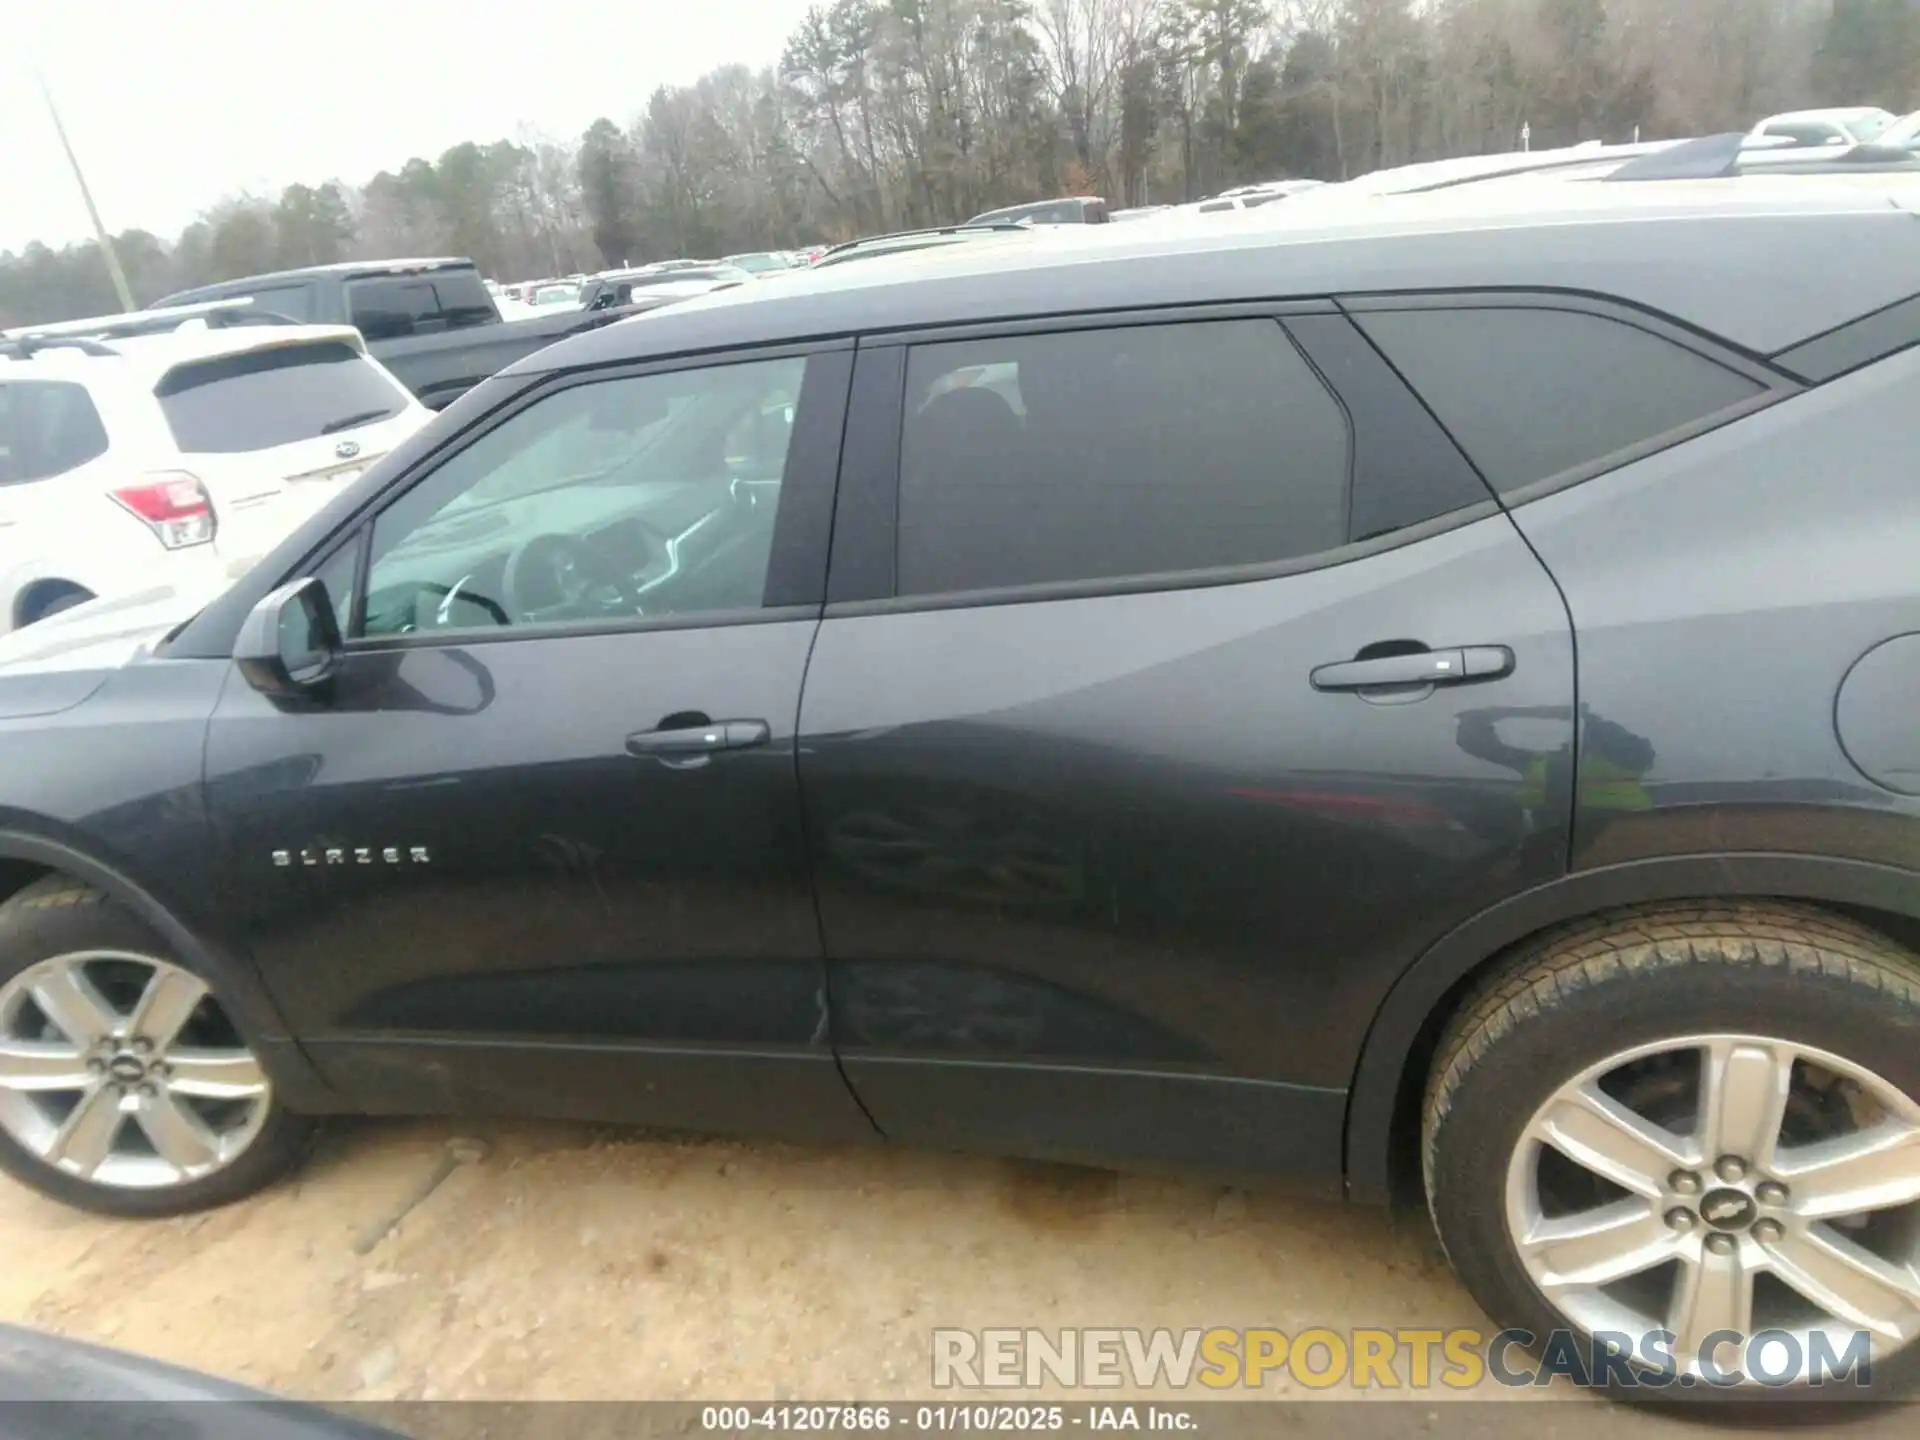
[[636, 497]]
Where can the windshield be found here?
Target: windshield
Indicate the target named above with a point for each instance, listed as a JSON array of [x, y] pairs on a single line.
[[1869, 126], [263, 398], [757, 264]]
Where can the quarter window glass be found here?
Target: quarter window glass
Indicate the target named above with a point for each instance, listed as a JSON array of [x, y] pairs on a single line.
[[637, 497], [1098, 454], [47, 428], [1530, 393]]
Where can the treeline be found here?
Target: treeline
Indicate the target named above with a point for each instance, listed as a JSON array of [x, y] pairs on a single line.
[[885, 114]]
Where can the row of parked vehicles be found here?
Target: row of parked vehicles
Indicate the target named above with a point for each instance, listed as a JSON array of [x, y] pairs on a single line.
[[304, 377], [571, 291]]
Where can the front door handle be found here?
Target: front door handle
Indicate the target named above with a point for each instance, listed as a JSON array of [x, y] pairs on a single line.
[[686, 745], [1425, 667]]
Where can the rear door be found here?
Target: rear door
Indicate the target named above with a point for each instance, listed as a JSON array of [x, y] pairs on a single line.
[[1180, 681]]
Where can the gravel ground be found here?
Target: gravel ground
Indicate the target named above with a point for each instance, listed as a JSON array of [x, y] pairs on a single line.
[[566, 1262]]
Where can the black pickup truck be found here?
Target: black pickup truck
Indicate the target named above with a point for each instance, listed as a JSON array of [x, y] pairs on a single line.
[[431, 322]]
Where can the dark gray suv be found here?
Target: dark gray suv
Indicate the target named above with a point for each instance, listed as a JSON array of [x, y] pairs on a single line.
[[1416, 695]]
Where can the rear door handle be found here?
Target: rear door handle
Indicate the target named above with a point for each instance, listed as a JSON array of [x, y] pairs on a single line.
[[689, 745], [1426, 667]]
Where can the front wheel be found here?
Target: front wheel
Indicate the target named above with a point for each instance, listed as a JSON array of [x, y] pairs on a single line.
[[125, 1086], [1692, 1136]]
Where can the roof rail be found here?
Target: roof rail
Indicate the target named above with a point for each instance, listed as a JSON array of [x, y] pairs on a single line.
[[1716, 157], [965, 228], [27, 346], [215, 313], [1708, 158]]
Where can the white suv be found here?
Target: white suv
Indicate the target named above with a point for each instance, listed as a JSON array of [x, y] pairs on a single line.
[[169, 448]]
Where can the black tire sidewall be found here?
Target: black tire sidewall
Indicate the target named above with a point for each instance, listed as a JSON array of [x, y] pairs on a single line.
[[1505, 1086], [54, 604], [59, 918]]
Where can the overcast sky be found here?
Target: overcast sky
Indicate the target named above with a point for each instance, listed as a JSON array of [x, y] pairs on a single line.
[[173, 104]]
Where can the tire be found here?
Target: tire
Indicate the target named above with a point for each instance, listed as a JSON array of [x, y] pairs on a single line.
[[1763, 991], [227, 1134], [51, 601]]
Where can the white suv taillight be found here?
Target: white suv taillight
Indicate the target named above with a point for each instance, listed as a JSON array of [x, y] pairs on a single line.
[[174, 505]]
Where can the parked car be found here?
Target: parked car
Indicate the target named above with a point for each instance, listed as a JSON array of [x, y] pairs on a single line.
[[759, 262], [564, 294], [615, 292], [1272, 188], [1853, 125], [1067, 210], [1903, 134], [1489, 767], [129, 458], [903, 241], [714, 276], [636, 291], [431, 322], [1139, 212]]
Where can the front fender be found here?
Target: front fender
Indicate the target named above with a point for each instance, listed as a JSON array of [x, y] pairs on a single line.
[[299, 1085], [1377, 1103]]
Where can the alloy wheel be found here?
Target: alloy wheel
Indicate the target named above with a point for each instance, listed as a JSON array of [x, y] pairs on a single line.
[[122, 1070], [1721, 1183]]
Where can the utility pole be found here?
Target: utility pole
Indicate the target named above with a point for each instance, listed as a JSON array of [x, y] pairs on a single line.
[[93, 211]]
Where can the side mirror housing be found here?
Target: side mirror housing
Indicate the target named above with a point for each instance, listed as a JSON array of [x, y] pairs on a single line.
[[289, 646]]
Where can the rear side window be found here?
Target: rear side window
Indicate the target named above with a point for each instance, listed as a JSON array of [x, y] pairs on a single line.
[[1099, 454], [1529, 393], [47, 428], [390, 305], [264, 398]]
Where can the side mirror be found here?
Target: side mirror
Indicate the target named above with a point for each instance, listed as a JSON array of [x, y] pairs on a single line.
[[289, 644]]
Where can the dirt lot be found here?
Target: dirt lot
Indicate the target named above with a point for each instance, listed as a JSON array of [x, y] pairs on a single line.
[[583, 1263]]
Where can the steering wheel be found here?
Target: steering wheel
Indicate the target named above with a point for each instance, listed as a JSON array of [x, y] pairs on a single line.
[[559, 578]]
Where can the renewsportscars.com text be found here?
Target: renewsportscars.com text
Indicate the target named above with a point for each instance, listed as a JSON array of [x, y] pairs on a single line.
[[1380, 1359]]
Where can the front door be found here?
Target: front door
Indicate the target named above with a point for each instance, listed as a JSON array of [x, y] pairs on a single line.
[[1178, 715], [541, 850]]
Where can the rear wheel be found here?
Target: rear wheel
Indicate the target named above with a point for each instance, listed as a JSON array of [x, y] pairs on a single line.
[[51, 599], [125, 1086], [1702, 1122]]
